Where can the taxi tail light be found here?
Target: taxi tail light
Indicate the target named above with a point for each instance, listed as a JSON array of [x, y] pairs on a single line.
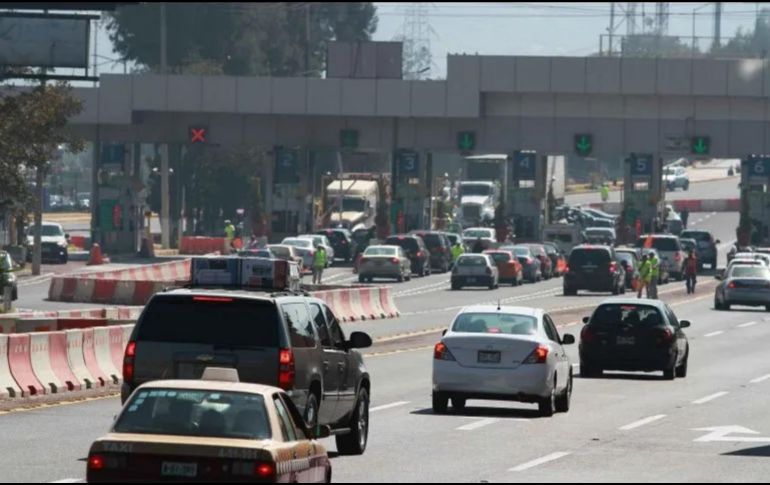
[[98, 462], [128, 362], [538, 356], [261, 469], [264, 470], [441, 352], [286, 371]]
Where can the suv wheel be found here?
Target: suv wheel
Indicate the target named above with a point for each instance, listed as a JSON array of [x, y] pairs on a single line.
[[440, 403], [311, 411], [354, 443], [458, 404]]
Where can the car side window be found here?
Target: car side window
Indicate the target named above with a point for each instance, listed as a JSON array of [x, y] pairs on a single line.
[[320, 324], [335, 332], [672, 317], [550, 330], [300, 325], [287, 428], [294, 416]]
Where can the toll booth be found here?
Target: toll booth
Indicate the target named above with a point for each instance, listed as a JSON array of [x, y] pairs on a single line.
[[643, 191], [755, 197], [411, 190], [531, 177]]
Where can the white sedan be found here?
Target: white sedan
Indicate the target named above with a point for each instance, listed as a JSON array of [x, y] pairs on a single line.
[[502, 353]]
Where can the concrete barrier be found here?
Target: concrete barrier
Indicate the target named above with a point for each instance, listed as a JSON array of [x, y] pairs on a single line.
[[75, 323], [40, 355], [359, 303], [77, 362], [36, 325], [199, 246], [8, 387], [104, 346], [388, 303], [92, 363], [20, 363]]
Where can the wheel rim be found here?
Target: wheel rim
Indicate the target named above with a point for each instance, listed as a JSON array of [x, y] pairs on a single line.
[[363, 423], [311, 414]]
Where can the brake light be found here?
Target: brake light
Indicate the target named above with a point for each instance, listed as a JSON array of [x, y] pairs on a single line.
[[264, 470], [128, 362], [587, 335], [286, 369], [538, 356], [395, 260], [441, 352], [566, 269], [96, 463], [212, 299], [420, 254], [732, 285], [344, 242], [529, 260], [665, 336], [613, 267]]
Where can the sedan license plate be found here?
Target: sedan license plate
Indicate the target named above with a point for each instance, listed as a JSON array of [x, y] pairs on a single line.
[[184, 470], [489, 357], [470, 280], [626, 341]]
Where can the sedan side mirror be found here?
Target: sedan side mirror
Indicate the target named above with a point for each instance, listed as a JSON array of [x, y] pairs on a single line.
[[718, 276], [586, 319], [567, 339], [444, 332], [685, 324], [359, 340], [718, 241]]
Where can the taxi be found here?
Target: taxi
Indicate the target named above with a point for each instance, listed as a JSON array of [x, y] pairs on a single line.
[[213, 429]]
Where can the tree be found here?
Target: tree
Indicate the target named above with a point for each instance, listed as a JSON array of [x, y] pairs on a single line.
[[754, 43], [246, 39]]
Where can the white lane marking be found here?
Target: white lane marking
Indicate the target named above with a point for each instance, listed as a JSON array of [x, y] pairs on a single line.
[[760, 379], [540, 461], [748, 324], [714, 334], [388, 406], [477, 424], [69, 480], [642, 422], [712, 397]]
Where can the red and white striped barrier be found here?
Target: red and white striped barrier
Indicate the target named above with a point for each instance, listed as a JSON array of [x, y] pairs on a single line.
[[115, 292], [692, 205], [20, 363], [92, 363], [50, 364], [8, 386], [175, 271], [371, 303], [388, 303], [361, 303], [104, 348], [77, 362]]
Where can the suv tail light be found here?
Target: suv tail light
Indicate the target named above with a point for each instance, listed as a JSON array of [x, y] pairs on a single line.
[[128, 363], [420, 254], [441, 352], [395, 260], [286, 371], [587, 335], [538, 356], [613, 267], [566, 269]]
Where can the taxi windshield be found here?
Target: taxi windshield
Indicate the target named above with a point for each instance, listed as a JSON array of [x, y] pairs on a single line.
[[200, 413]]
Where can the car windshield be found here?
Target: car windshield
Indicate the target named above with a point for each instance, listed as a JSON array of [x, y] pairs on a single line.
[[478, 233], [335, 237], [502, 323], [538, 250], [353, 205], [550, 250], [432, 240], [585, 257], [281, 251], [600, 232], [471, 261], [47, 231], [199, 413], [380, 251], [475, 189], [626, 315], [209, 320], [750, 272], [521, 251], [408, 243], [299, 243], [500, 257], [453, 238], [659, 243]]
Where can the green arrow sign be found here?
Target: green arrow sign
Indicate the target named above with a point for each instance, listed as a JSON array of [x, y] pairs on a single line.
[[701, 145], [466, 140], [584, 145]]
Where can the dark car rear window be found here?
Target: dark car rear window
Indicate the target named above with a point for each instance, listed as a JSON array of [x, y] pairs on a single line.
[[210, 321], [432, 240], [501, 257], [335, 237], [408, 243], [627, 314], [661, 244], [581, 257], [699, 236]]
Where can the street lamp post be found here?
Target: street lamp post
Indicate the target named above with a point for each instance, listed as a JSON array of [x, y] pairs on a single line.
[[693, 25]]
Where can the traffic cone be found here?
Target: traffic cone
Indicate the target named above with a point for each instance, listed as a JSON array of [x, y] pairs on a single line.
[[96, 256]]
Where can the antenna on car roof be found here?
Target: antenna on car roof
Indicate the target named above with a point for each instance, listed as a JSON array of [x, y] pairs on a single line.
[[498, 305]]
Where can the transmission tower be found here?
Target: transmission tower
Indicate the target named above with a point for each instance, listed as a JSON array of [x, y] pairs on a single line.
[[661, 18], [415, 34]]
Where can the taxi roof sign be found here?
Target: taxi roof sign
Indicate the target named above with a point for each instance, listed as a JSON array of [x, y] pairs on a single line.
[[221, 374]]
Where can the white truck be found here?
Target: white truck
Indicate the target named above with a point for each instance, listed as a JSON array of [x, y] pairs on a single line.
[[477, 203], [359, 199]]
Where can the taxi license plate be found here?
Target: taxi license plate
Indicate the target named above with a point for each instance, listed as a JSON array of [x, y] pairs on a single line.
[[489, 357], [626, 340], [184, 470]]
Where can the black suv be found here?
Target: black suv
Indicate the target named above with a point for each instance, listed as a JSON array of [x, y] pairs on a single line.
[[342, 242], [594, 268], [415, 250], [284, 340], [440, 249]]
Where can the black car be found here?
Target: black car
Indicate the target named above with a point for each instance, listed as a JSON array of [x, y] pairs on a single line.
[[415, 250], [298, 346], [635, 336], [342, 242], [594, 268], [440, 249]]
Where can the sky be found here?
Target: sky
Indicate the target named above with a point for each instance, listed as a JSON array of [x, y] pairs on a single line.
[[548, 29]]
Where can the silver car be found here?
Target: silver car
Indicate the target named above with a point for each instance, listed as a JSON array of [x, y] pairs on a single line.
[[304, 248], [320, 240], [475, 270], [744, 285], [475, 234], [384, 262], [502, 353], [669, 249]]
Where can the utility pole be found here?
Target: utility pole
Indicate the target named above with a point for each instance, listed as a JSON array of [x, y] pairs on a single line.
[[163, 58], [717, 25], [37, 250], [307, 40], [165, 204], [612, 26]]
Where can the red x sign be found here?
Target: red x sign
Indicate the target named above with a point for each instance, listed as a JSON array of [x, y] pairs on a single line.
[[197, 135]]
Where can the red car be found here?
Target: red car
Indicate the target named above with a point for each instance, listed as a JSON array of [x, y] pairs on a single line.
[[509, 267], [546, 265]]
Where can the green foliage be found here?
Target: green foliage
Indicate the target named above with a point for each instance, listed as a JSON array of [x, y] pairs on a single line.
[[245, 39], [754, 43]]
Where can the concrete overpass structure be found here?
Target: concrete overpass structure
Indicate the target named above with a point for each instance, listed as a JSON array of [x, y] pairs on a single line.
[[538, 103]]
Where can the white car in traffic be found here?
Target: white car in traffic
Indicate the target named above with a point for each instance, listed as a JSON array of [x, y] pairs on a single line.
[[502, 353]]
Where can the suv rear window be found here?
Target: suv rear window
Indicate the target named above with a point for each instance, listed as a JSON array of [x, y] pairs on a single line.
[[626, 315], [583, 256], [408, 243], [432, 240], [221, 322], [335, 237], [699, 236]]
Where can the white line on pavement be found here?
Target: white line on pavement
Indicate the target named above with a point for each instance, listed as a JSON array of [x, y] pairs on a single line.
[[477, 424], [761, 379], [541, 461], [388, 406], [642, 422], [749, 324], [714, 334], [69, 480], [712, 397]]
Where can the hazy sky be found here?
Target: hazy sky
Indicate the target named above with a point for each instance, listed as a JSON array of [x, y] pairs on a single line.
[[566, 29]]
